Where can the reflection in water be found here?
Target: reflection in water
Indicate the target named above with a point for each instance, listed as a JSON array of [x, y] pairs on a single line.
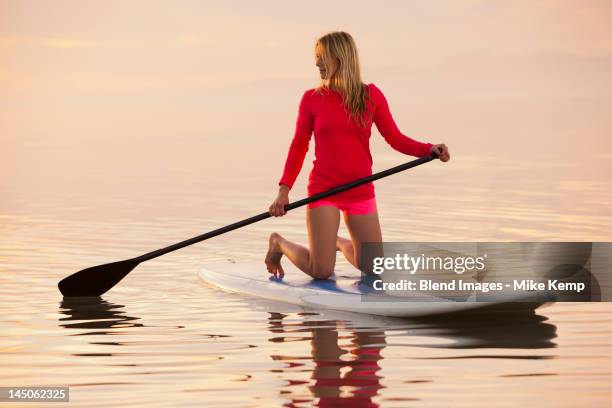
[[349, 374], [94, 313], [510, 331], [342, 376]]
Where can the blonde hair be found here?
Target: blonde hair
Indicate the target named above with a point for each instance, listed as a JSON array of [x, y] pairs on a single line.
[[340, 46]]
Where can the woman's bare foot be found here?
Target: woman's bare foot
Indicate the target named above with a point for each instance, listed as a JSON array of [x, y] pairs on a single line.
[[274, 256]]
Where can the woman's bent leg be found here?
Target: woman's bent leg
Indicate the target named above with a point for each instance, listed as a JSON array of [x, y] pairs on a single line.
[[323, 223], [346, 247], [319, 261], [363, 228]]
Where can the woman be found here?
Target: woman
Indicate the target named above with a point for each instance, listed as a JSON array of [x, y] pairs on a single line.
[[340, 112]]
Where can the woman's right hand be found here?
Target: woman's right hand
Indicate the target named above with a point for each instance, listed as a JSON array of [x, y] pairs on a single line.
[[277, 208]]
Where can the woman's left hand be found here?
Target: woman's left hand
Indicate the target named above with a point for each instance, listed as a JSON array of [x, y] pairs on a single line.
[[442, 151]]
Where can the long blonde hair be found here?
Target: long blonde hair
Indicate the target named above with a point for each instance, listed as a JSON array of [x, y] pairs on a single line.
[[346, 79]]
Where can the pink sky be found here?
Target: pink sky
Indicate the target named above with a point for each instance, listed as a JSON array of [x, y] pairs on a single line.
[[222, 80]]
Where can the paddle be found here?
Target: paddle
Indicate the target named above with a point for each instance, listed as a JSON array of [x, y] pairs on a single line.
[[97, 280]]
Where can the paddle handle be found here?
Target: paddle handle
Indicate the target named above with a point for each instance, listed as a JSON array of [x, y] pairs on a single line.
[[290, 206]]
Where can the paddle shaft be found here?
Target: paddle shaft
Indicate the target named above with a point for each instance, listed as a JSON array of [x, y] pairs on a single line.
[[290, 206]]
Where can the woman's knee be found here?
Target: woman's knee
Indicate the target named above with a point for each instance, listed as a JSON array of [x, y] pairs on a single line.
[[321, 271]]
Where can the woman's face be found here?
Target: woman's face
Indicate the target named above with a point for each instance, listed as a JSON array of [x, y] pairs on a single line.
[[326, 72]]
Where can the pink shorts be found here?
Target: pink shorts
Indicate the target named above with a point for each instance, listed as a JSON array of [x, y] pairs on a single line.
[[352, 207]]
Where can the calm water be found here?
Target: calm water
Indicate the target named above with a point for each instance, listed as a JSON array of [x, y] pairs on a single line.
[[162, 338]]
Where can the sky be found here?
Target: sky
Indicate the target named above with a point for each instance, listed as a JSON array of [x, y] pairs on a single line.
[[136, 45], [118, 85]]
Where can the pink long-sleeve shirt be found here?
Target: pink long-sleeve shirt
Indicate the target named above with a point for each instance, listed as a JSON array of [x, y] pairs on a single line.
[[342, 147]]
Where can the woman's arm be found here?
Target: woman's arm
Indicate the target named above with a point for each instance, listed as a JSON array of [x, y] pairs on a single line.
[[277, 208], [299, 144], [389, 130], [295, 157]]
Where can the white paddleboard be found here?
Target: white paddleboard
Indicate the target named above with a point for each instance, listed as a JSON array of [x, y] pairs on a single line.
[[341, 292]]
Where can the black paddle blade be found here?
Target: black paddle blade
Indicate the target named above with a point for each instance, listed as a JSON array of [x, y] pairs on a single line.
[[97, 280]]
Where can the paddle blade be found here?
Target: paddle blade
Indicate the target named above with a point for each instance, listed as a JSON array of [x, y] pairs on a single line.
[[96, 280]]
